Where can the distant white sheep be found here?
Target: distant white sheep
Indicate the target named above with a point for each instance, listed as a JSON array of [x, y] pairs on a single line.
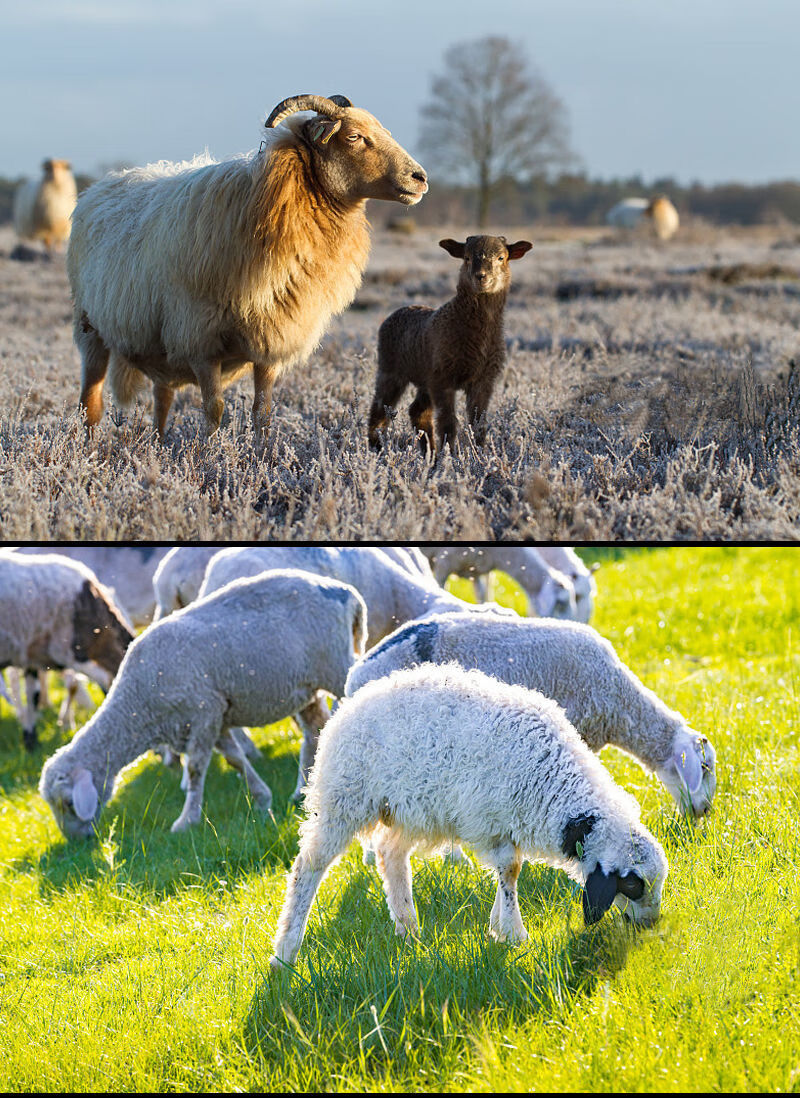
[[179, 577], [628, 214], [580, 670], [436, 754], [43, 207], [550, 594], [253, 653]]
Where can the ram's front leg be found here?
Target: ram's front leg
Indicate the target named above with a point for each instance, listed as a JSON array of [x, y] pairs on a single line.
[[209, 378], [263, 380]]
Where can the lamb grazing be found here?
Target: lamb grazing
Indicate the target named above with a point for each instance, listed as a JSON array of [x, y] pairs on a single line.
[[440, 351], [179, 577], [549, 592], [627, 213], [253, 653], [195, 272], [579, 669], [438, 753], [43, 207], [569, 564], [127, 570], [54, 613], [392, 595]]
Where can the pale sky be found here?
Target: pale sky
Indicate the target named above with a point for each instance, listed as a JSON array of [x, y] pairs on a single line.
[[695, 89]]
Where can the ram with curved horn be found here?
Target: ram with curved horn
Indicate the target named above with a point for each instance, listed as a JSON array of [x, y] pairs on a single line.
[[196, 272]]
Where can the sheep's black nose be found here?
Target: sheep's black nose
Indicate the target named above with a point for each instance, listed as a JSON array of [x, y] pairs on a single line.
[[420, 176]]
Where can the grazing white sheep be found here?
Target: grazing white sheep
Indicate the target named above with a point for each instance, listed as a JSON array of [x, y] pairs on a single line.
[[550, 593], [627, 213], [579, 669], [54, 613], [179, 577], [392, 593], [43, 207], [253, 653], [569, 564], [194, 273], [128, 570], [438, 753]]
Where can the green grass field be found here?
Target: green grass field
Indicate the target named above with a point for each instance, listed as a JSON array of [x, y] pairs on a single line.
[[139, 962]]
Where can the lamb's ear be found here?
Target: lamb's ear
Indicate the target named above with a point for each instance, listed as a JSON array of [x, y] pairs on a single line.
[[518, 250], [453, 248], [688, 766], [598, 894], [84, 794]]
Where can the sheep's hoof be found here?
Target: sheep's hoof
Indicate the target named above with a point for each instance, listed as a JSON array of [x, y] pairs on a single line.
[[181, 824]]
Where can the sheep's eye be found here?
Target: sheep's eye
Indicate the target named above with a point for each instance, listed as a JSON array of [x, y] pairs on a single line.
[[353, 137]]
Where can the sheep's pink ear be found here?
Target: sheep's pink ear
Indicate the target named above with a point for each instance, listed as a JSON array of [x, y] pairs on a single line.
[[688, 766], [453, 248], [322, 130], [518, 250], [84, 794]]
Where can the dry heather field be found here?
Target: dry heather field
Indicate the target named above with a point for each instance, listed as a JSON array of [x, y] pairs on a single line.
[[649, 394]]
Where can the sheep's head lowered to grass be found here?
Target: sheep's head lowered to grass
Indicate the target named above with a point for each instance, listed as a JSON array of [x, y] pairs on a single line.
[[354, 156]]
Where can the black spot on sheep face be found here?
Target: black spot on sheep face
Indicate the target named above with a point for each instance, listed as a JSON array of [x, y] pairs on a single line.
[[634, 885]]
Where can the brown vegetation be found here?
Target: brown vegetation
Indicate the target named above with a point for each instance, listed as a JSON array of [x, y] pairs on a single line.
[[667, 411]]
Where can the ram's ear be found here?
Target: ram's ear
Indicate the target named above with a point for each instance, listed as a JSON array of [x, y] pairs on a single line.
[[689, 767], [598, 894], [321, 130], [518, 249], [84, 794], [453, 248]]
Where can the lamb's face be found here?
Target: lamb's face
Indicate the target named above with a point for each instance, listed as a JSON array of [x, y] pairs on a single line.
[[485, 268], [690, 773], [556, 598], [640, 883], [72, 797]]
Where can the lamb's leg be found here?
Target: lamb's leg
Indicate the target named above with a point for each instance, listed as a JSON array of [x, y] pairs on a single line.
[[263, 380], [209, 378], [388, 390], [478, 395], [444, 404], [94, 359], [229, 748], [421, 415], [318, 848], [32, 699], [392, 857], [163, 396], [245, 742], [198, 756], [505, 921], [70, 690], [311, 720]]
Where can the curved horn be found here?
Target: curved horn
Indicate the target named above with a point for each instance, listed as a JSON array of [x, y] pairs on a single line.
[[342, 100], [331, 107]]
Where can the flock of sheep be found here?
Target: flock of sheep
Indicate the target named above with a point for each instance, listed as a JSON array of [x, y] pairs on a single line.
[[198, 272], [452, 722]]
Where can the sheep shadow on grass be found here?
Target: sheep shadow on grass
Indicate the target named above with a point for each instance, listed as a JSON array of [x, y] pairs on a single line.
[[452, 975]]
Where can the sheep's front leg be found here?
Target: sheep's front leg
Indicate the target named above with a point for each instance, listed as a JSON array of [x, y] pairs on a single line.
[[392, 857], [311, 720], [421, 415], [263, 380], [163, 397], [389, 387], [478, 395], [32, 700], [505, 921], [198, 757], [209, 378], [445, 416], [229, 748]]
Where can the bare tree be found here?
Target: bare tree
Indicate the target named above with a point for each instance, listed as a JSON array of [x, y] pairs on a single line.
[[491, 117]]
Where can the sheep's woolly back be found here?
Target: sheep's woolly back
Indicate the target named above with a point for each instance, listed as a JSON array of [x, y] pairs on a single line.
[[568, 661], [241, 249], [446, 753]]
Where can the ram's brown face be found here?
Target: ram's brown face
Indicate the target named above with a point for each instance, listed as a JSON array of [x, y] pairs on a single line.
[[358, 158]]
